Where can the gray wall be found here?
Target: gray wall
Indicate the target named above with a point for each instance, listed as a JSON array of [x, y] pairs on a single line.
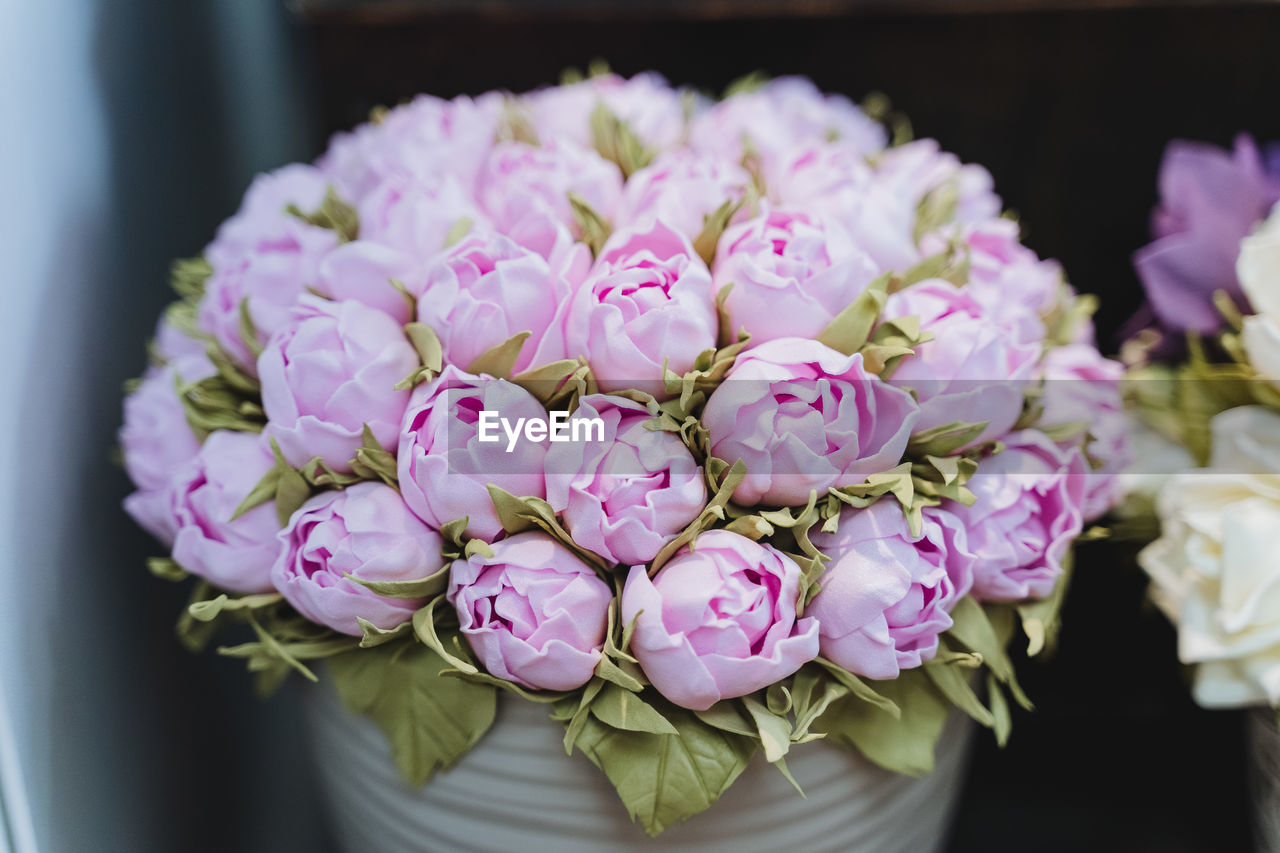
[[129, 130]]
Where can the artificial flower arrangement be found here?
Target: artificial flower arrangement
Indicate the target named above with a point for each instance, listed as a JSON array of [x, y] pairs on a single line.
[[1204, 383], [840, 431]]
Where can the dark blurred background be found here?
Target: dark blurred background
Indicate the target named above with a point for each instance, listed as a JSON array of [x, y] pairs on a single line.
[[129, 744]]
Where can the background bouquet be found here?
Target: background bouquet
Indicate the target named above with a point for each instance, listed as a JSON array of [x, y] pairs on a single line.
[[839, 429], [1204, 383]]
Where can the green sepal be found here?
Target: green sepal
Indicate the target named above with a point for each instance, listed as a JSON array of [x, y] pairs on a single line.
[[951, 264], [211, 609], [517, 515], [424, 628], [946, 439], [625, 710], [374, 462], [593, 229], [274, 655], [721, 491], [431, 585], [249, 331], [430, 352], [457, 231], [752, 81], [859, 689], [952, 676], [558, 385], [540, 696], [663, 779], [333, 214], [515, 124], [1042, 619], [713, 227], [616, 142], [851, 329], [227, 400], [692, 389], [371, 635], [500, 359], [937, 208], [166, 568], [187, 277], [431, 721]]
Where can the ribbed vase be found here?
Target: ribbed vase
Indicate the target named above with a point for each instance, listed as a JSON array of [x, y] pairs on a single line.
[[1264, 740], [518, 791]]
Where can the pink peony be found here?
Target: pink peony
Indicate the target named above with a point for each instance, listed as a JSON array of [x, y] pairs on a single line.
[[804, 417], [330, 372], [362, 271], [204, 494], [718, 621], [1026, 516], [484, 291], [681, 189], [790, 275], [266, 257], [364, 531], [533, 613], [444, 468], [416, 217], [973, 371], [419, 141], [650, 107], [1083, 388], [628, 492], [886, 595], [646, 303], [156, 440]]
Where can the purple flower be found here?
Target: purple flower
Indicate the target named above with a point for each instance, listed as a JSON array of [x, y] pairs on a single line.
[[646, 303], [628, 492], [1209, 201], [330, 372], [231, 555], [803, 417], [364, 531], [156, 440], [484, 291], [973, 370], [533, 613], [718, 621], [790, 275], [444, 467], [1026, 516], [886, 595]]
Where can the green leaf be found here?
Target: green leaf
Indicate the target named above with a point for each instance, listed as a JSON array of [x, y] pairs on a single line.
[[663, 779], [292, 489], [999, 710], [774, 731], [625, 710], [430, 351], [1042, 619], [616, 142], [166, 568], [594, 229], [431, 585], [373, 462], [729, 715], [713, 226], [334, 214], [955, 682], [424, 627], [372, 635], [860, 690], [937, 208], [430, 721], [945, 439], [207, 611], [904, 745], [498, 361], [849, 330]]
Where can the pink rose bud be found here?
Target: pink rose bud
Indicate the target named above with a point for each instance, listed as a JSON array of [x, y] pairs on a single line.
[[628, 490], [718, 621], [156, 440], [972, 371], [1027, 514], [681, 189], [445, 467], [651, 108], [231, 555], [418, 141], [364, 531], [646, 302], [332, 370], [804, 417], [1083, 388], [484, 291], [533, 613], [266, 256], [886, 595], [524, 189], [790, 276]]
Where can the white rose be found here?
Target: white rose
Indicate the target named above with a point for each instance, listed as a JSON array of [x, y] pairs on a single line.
[[1214, 569], [1258, 269], [1156, 459]]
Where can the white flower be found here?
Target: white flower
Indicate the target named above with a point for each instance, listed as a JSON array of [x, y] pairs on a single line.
[[1214, 569], [1258, 269]]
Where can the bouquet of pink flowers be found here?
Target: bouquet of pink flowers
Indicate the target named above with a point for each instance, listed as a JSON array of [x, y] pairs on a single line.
[[717, 427]]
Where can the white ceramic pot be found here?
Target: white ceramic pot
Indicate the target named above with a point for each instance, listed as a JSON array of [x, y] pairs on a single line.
[[1264, 741], [518, 791]]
